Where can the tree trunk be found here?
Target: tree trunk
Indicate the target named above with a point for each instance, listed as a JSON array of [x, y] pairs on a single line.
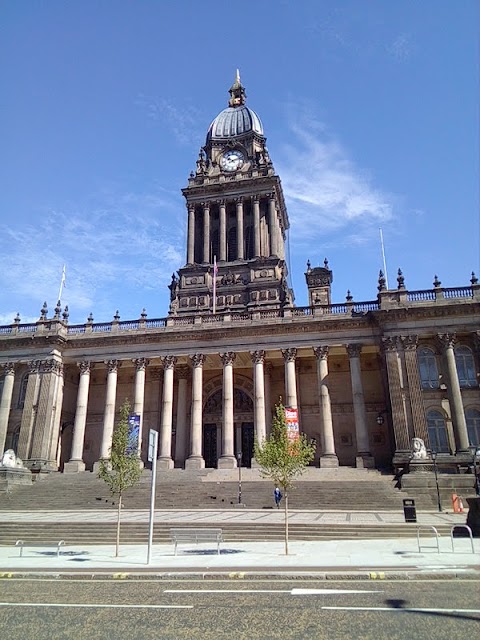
[[286, 523], [119, 509]]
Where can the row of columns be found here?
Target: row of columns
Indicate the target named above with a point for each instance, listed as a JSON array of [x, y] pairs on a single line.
[[406, 395], [274, 228]]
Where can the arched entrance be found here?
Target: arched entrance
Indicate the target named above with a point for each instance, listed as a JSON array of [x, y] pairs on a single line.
[[243, 422]]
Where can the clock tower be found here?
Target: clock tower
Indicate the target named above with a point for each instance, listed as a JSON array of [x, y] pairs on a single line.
[[237, 221]]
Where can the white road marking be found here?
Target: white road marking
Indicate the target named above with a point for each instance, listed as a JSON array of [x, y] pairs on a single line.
[[326, 592], [94, 605], [293, 592], [402, 609]]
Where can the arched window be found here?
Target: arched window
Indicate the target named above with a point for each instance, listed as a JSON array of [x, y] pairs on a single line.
[[473, 426], [23, 392], [437, 431], [465, 367], [427, 365]]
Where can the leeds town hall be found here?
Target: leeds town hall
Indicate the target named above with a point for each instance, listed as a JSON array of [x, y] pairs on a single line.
[[367, 378]]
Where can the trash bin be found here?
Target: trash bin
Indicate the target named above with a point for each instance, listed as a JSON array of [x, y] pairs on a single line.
[[409, 510]]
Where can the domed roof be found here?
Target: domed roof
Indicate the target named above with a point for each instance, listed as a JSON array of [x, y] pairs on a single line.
[[235, 121]]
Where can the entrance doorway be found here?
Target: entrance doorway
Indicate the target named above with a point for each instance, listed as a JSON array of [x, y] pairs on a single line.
[[210, 445], [247, 443]]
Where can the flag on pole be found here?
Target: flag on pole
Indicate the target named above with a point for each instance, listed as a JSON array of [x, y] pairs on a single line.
[[215, 272]]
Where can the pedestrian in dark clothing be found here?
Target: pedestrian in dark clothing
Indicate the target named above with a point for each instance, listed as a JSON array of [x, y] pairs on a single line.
[[277, 495]]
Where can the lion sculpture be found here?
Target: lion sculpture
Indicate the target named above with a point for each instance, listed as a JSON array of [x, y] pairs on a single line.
[[10, 460], [419, 452]]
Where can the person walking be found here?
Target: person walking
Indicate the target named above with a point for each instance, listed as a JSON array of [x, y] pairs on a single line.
[[277, 496]]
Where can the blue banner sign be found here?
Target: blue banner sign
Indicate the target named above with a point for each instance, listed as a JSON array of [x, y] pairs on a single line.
[[133, 433]]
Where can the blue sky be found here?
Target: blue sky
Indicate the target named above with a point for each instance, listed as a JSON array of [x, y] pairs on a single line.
[[370, 110]]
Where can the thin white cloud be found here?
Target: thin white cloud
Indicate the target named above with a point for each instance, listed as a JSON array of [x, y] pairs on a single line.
[[133, 241], [326, 191], [401, 48], [181, 121]]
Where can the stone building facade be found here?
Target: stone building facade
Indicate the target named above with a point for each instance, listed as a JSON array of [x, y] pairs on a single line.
[[366, 377]]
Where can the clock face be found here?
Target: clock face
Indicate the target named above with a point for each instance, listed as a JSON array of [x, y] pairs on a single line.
[[231, 160]]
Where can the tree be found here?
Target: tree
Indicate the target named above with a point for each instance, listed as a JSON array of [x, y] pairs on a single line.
[[122, 470], [282, 458]]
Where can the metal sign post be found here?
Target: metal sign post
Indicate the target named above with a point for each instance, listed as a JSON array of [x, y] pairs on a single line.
[[152, 457]]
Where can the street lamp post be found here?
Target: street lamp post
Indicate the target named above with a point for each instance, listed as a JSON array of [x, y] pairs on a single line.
[[239, 464], [434, 459]]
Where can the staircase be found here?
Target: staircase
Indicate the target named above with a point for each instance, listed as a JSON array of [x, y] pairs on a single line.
[[319, 489]]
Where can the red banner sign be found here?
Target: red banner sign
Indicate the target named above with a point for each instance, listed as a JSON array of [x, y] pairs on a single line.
[[291, 418]]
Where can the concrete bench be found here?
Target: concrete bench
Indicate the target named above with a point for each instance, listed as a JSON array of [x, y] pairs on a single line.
[[21, 544], [196, 535]]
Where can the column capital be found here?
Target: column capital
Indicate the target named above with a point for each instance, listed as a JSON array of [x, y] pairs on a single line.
[[409, 343], [169, 362], [9, 368], [112, 365], [321, 353], [85, 366], [182, 372], [140, 363], [221, 202], [271, 195], [390, 343], [238, 200], [290, 354], [198, 359], [191, 207], [447, 340], [51, 366], [258, 357], [354, 349], [34, 366], [227, 358], [206, 206]]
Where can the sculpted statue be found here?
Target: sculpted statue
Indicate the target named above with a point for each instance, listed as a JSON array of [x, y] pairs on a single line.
[[419, 452], [9, 459]]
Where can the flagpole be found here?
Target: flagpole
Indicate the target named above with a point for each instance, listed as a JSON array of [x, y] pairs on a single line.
[[215, 271], [383, 256], [62, 284]]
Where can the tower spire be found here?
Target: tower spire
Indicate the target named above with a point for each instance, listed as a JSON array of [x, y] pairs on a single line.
[[237, 92]]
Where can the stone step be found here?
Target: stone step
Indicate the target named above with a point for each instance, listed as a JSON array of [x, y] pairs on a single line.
[[134, 533]]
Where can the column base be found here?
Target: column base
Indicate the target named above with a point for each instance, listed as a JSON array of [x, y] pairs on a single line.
[[365, 461], [328, 461], [195, 462], [227, 462], [96, 466], [74, 466], [165, 463]]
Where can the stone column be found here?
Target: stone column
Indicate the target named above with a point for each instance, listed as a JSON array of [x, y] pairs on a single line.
[[272, 225], [227, 459], [191, 234], [76, 463], [240, 251], [29, 410], [419, 420], [165, 460], [139, 397], [195, 459], [397, 396], [289, 355], [109, 412], [329, 457], [258, 359], [364, 457], [206, 233], [268, 395], [181, 429], [6, 401], [448, 341], [256, 225], [46, 426], [223, 230]]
